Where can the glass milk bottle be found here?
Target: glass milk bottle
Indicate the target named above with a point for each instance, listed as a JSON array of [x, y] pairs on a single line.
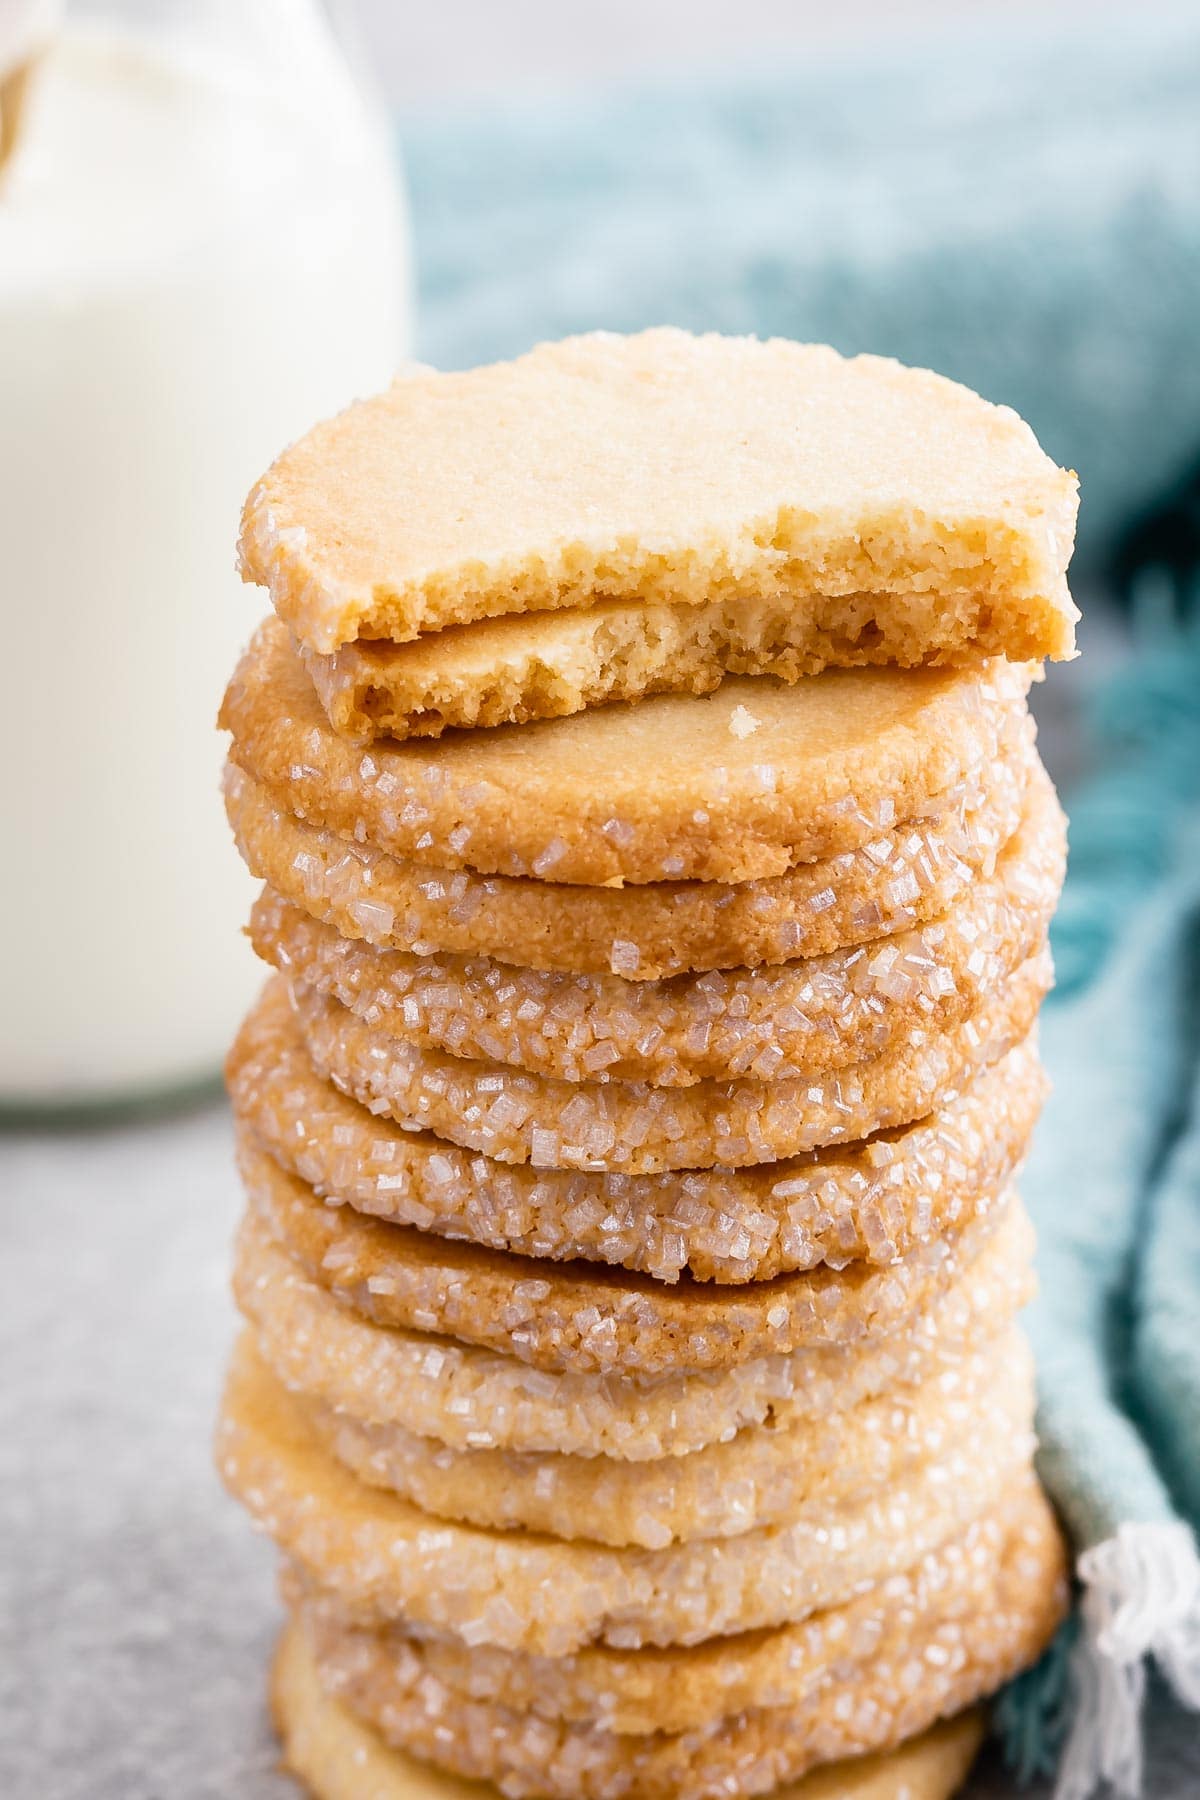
[[201, 252]]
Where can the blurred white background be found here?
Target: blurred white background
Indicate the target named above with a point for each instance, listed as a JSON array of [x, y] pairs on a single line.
[[476, 48]]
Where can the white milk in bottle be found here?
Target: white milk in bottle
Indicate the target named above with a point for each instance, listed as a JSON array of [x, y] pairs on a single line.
[[201, 253]]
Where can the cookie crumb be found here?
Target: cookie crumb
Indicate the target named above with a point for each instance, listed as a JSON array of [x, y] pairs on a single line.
[[742, 722]]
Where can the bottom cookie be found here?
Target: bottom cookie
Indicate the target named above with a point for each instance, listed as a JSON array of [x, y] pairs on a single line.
[[338, 1758]]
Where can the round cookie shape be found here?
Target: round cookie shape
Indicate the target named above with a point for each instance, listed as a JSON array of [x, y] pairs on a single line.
[[338, 1757], [635, 1128], [752, 1753], [471, 1398], [585, 1316], [661, 466], [871, 1202], [799, 1018], [1015, 1549], [858, 1706], [385, 1559], [763, 1476], [901, 877], [728, 787]]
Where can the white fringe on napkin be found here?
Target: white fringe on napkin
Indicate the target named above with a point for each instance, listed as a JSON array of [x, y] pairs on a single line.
[[1141, 1598]]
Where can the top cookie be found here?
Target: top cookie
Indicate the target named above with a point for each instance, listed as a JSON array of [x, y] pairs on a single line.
[[668, 468]]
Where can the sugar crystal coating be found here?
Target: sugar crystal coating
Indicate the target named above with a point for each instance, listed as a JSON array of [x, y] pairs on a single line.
[[967, 1616], [630, 1379], [614, 794], [386, 1559], [634, 1127], [580, 1316], [335, 1752], [762, 1476], [801, 1018], [911, 869], [472, 1398], [872, 1201], [672, 1689]]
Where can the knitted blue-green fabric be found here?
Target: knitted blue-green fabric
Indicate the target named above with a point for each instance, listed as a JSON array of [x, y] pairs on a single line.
[[1165, 1368], [1022, 216], [1116, 1037], [1113, 1181]]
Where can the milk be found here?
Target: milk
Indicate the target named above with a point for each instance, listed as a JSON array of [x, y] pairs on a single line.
[[200, 254]]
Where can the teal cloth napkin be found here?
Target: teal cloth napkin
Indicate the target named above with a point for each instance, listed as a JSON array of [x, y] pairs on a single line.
[[1113, 1184], [1024, 217]]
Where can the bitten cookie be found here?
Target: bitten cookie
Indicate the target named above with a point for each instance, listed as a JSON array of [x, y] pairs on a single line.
[[672, 468]]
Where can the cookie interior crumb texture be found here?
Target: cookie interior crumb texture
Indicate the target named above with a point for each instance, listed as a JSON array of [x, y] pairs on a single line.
[[547, 665]]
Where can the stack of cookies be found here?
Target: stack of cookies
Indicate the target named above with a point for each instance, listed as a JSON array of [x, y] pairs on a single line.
[[658, 868]]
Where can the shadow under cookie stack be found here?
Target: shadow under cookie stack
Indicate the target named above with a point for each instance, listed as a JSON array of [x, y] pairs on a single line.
[[658, 873]]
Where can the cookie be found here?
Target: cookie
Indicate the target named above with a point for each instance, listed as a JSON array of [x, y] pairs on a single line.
[[338, 1757], [679, 787], [763, 1476], [635, 1128], [385, 1559], [585, 1316], [670, 1689], [871, 1202], [471, 1398], [667, 467], [546, 665], [800, 1018], [913, 872], [920, 1665]]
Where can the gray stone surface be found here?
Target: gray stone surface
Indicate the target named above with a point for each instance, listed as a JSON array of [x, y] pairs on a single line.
[[137, 1609]]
